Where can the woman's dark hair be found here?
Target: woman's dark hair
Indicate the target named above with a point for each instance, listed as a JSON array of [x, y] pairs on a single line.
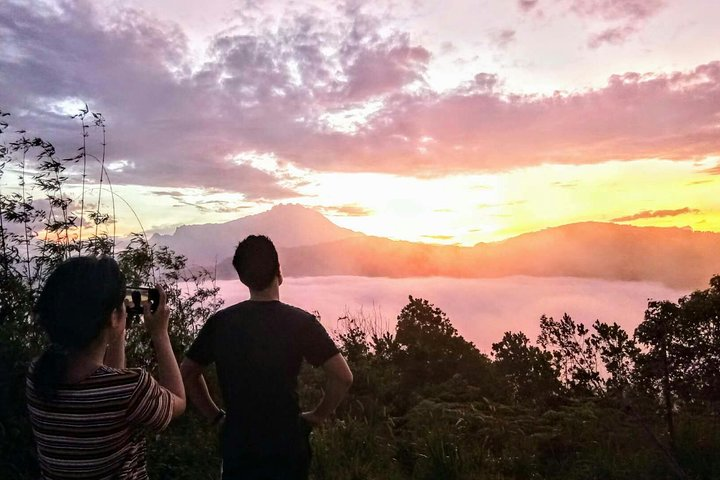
[[256, 262], [74, 307]]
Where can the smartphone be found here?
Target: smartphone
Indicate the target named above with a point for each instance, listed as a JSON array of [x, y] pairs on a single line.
[[136, 296]]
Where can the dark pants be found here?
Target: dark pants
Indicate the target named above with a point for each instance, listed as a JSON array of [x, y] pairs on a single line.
[[264, 461]]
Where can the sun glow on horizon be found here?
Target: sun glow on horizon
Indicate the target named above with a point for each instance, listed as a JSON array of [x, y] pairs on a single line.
[[454, 209], [471, 209]]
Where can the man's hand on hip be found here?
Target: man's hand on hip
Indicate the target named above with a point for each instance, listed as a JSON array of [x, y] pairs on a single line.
[[312, 418]]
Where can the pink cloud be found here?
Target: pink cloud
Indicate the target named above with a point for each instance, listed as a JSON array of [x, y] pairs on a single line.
[[503, 38], [527, 5], [607, 9], [486, 82], [618, 9], [672, 116], [613, 36], [265, 90], [384, 68], [481, 310], [625, 16], [247, 97]]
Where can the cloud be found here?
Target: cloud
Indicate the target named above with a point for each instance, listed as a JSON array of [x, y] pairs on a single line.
[[347, 210], [623, 18], [634, 10], [482, 206], [264, 89], [655, 214], [203, 205], [613, 36], [127, 66], [626, 17], [385, 67], [439, 237], [713, 170], [565, 184], [269, 87], [527, 5], [503, 38], [482, 310], [635, 116], [606, 9], [485, 82]]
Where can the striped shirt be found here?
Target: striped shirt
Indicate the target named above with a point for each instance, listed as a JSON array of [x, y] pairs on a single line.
[[94, 429]]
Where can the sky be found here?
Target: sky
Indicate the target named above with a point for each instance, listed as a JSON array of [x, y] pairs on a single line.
[[452, 122]]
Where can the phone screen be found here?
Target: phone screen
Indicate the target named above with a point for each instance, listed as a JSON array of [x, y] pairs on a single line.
[[136, 296]]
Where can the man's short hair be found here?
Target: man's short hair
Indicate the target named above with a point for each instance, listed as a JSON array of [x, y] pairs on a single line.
[[256, 262]]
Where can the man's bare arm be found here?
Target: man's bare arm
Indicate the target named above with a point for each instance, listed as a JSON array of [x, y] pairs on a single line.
[[197, 390], [339, 380]]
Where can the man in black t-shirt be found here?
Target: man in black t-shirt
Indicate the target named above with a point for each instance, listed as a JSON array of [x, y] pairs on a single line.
[[257, 347]]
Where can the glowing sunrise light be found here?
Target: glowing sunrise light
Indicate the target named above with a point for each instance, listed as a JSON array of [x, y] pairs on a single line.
[[468, 209], [408, 208], [66, 106]]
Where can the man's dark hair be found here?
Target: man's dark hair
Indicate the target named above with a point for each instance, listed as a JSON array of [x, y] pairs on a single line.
[[256, 262]]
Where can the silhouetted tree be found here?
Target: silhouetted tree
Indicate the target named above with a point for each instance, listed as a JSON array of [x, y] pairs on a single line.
[[430, 348], [596, 361], [529, 371], [574, 355], [618, 353], [700, 330], [680, 362]]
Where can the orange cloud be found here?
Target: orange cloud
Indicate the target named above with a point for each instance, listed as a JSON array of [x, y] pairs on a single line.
[[655, 214], [347, 210], [714, 170]]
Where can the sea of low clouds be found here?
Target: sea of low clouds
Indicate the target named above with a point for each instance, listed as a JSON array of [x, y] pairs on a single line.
[[481, 309]]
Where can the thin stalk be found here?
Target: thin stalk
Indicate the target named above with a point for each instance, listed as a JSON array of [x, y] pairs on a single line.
[[2, 238], [102, 170], [53, 218], [112, 197], [114, 217], [65, 215], [143, 232], [84, 174], [25, 222]]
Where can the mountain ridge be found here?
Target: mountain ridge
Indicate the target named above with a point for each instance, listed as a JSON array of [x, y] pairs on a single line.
[[677, 257]]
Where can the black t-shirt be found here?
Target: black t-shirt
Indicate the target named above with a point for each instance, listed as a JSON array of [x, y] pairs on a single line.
[[258, 348]]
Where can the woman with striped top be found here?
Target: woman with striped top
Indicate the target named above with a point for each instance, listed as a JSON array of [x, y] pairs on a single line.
[[89, 413]]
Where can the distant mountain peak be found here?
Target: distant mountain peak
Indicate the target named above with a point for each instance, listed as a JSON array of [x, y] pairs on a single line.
[[293, 212], [291, 208], [288, 225]]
